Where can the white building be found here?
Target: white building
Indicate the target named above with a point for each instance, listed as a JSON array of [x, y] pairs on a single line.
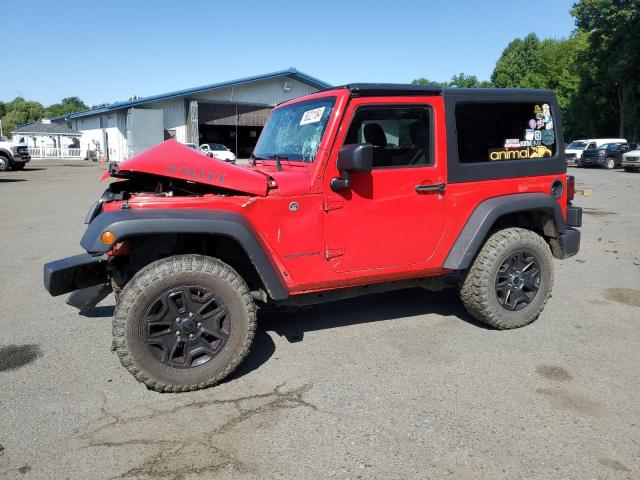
[[232, 113], [48, 139]]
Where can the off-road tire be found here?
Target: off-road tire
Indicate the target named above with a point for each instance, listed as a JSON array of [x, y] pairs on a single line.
[[610, 163], [478, 290], [5, 163], [165, 274]]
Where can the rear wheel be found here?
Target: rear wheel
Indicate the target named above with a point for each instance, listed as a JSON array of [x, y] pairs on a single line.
[[610, 163], [184, 323], [510, 280]]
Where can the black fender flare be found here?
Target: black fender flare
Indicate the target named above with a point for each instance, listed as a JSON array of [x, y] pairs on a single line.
[[142, 222], [6, 153], [484, 217]]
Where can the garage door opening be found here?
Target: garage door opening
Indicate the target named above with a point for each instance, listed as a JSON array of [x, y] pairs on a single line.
[[237, 126]]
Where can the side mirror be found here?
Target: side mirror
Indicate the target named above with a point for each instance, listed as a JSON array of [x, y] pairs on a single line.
[[352, 158]]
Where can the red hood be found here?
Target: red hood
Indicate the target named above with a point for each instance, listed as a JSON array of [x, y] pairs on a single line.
[[174, 160]]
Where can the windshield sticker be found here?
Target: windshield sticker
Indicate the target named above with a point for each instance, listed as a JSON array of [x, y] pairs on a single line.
[[529, 133], [548, 137], [497, 154], [533, 124], [512, 143], [537, 110], [312, 116]]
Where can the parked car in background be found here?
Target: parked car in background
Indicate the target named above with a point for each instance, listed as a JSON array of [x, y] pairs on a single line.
[[192, 145], [608, 155], [576, 148], [631, 160], [218, 151]]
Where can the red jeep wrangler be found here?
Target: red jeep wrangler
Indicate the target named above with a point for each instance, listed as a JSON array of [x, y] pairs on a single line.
[[353, 190]]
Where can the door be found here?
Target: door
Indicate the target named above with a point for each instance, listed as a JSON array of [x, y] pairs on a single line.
[[145, 128], [395, 215]]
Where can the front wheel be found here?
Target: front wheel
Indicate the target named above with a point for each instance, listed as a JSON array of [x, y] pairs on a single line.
[[510, 280], [610, 164], [18, 166], [184, 323], [631, 169], [4, 163]]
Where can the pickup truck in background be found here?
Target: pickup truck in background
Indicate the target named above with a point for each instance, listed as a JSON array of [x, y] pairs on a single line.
[[13, 156], [608, 155]]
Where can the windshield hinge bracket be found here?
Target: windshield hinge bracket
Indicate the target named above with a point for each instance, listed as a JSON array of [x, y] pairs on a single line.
[[333, 252], [332, 204]]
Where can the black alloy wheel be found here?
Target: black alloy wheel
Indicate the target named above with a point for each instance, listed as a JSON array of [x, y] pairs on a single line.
[[518, 280], [186, 327]]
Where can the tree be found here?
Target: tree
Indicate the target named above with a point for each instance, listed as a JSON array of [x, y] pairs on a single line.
[[19, 111], [468, 81], [460, 80], [613, 52], [68, 105], [518, 66], [424, 81]]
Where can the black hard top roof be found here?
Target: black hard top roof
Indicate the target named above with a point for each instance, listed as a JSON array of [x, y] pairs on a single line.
[[401, 89]]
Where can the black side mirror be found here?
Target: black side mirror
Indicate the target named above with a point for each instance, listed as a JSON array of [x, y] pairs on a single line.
[[352, 158]]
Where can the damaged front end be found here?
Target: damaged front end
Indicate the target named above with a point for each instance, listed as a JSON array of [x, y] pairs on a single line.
[[149, 187]]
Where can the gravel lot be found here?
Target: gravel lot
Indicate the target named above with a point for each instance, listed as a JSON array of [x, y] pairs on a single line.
[[401, 385]]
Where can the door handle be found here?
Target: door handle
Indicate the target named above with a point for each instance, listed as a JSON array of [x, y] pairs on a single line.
[[436, 187]]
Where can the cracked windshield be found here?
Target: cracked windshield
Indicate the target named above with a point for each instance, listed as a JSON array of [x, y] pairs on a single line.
[[295, 132]]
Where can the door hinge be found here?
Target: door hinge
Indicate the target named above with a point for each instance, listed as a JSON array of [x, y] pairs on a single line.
[[332, 252], [332, 204]]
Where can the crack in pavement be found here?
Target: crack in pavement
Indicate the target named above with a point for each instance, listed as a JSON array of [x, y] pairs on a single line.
[[197, 453]]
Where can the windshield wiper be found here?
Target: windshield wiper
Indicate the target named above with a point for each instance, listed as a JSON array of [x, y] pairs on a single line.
[[277, 158], [254, 158]]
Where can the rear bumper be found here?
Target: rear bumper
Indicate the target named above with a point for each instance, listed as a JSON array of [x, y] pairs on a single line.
[[73, 273], [570, 239], [570, 242], [574, 216]]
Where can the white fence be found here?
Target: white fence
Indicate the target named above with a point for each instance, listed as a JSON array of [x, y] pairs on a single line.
[[52, 152]]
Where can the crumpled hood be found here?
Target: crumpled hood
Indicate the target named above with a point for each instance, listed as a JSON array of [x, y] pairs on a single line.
[[174, 160]]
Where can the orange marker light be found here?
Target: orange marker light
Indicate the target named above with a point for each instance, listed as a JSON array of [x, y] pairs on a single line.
[[108, 237]]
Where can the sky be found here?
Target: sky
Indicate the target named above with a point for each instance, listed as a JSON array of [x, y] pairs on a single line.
[[108, 51]]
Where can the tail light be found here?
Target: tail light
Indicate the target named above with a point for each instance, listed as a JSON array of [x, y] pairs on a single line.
[[571, 187]]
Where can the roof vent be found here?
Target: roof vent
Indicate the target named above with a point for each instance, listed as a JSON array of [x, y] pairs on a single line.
[[46, 121]]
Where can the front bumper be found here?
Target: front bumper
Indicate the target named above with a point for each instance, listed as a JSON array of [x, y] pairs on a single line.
[[73, 273], [633, 162], [21, 158], [592, 161]]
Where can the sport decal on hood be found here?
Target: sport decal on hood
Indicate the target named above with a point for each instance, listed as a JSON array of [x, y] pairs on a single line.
[[171, 159]]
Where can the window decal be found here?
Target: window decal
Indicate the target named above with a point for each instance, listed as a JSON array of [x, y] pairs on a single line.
[[498, 131], [496, 154], [312, 116]]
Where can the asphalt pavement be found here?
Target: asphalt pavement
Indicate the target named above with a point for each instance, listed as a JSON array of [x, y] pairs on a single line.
[[399, 385]]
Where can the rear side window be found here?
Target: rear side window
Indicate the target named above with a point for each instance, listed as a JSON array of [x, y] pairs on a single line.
[[497, 132]]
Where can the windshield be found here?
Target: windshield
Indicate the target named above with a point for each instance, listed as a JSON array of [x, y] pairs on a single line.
[[295, 132], [607, 146], [216, 146], [578, 145]]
